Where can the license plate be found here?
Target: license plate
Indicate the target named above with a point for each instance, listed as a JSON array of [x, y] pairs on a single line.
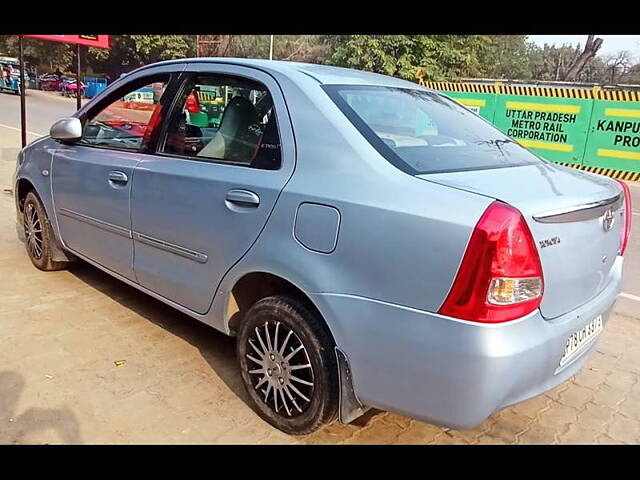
[[579, 339]]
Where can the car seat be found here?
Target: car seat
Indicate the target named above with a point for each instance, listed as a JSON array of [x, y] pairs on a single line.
[[234, 140]]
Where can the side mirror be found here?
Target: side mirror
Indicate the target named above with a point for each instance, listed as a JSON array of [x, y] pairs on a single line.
[[66, 130]]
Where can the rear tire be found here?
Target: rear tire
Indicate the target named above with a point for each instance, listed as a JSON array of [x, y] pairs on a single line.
[[288, 365], [38, 234]]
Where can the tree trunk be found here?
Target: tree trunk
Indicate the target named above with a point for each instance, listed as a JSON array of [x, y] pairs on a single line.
[[590, 49], [214, 45]]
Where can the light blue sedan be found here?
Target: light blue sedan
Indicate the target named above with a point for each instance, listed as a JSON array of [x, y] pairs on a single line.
[[369, 242]]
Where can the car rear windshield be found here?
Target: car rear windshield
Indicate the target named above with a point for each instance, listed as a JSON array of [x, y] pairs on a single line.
[[424, 132]]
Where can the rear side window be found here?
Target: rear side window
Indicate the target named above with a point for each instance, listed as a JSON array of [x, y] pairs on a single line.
[[225, 119], [424, 132]]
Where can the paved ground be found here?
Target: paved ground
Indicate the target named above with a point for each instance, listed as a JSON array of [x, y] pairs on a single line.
[[62, 332]]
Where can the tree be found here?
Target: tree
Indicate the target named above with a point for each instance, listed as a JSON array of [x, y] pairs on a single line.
[[440, 57], [299, 48], [129, 52], [214, 45], [512, 57], [590, 49], [633, 76], [618, 65]]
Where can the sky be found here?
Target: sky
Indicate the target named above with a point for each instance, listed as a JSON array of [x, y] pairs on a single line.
[[611, 44]]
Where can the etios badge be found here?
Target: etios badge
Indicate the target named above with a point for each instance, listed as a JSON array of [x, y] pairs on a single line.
[[608, 220]]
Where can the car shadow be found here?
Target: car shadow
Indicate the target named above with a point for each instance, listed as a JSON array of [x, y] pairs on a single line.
[[15, 426], [216, 348]]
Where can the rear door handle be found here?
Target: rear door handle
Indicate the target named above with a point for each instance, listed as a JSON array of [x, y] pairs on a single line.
[[242, 198], [118, 177]]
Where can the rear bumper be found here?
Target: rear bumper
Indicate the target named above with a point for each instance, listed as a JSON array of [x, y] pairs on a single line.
[[449, 372]]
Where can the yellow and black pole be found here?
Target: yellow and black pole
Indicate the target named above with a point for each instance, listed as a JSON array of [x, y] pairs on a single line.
[[23, 88]]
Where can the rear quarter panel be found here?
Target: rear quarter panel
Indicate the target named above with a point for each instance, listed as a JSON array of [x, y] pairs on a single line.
[[400, 239]]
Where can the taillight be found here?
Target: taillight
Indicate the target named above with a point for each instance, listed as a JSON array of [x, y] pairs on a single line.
[[624, 233], [500, 277]]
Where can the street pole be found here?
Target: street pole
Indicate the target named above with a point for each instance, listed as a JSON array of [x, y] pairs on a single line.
[[78, 94], [197, 45], [23, 88], [271, 48]]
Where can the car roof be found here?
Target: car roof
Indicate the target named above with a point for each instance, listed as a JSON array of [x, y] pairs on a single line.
[[323, 74]]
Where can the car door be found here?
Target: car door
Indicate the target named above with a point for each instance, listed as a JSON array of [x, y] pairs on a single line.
[[91, 178], [199, 204]]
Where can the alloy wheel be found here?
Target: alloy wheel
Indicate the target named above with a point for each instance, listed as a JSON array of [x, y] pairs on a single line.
[[280, 368], [33, 231]]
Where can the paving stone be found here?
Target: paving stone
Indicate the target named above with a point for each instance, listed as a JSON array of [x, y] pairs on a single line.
[[558, 415], [575, 396], [537, 434], [624, 429], [609, 396], [578, 435], [531, 408], [595, 417]]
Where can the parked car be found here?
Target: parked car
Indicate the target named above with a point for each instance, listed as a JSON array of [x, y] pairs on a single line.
[[70, 86], [49, 82], [370, 243]]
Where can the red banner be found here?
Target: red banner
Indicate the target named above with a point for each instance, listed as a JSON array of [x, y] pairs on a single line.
[[98, 41]]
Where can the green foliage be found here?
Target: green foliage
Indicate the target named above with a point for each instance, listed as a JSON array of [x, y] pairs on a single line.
[[512, 57], [129, 52], [440, 57]]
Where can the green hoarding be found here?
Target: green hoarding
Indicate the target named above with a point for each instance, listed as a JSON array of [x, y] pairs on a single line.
[[481, 103], [554, 128], [581, 131], [614, 136]]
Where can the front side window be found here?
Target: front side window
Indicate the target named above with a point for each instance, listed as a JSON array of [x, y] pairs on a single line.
[[225, 119], [424, 132], [128, 122]]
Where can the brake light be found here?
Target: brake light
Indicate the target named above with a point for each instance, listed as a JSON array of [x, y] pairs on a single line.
[[624, 234], [500, 277]]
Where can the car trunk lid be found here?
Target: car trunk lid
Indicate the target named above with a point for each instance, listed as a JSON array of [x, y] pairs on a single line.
[[565, 210]]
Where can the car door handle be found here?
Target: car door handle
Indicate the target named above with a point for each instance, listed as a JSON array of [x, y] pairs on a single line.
[[242, 198], [118, 177]]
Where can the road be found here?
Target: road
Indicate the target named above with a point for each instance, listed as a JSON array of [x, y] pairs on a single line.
[[43, 108], [62, 335]]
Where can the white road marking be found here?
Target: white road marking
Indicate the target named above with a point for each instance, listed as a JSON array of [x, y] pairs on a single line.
[[630, 296], [35, 134], [635, 213]]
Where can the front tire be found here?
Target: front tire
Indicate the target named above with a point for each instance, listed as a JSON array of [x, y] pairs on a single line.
[[288, 365], [38, 234]]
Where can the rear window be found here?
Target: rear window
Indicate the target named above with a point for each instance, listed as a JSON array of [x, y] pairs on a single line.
[[424, 132]]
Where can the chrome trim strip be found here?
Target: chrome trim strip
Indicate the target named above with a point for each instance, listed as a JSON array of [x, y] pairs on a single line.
[[109, 227], [170, 247], [587, 211]]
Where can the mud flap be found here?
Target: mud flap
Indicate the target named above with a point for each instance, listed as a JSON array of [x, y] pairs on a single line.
[[350, 407]]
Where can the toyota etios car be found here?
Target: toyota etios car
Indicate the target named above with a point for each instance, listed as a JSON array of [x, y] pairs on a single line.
[[371, 243]]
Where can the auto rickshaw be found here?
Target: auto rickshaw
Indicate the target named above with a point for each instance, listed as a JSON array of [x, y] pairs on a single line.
[[10, 75]]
